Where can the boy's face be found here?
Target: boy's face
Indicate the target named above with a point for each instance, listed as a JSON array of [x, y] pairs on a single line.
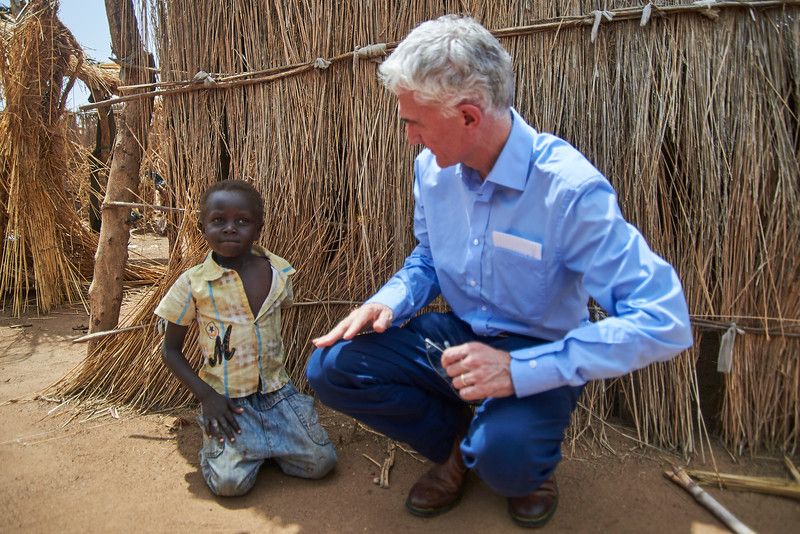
[[230, 225]]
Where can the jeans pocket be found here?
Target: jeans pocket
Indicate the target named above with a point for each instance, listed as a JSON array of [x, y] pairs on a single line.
[[303, 407]]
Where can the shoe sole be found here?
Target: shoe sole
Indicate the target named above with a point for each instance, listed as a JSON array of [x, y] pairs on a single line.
[[431, 512], [535, 523]]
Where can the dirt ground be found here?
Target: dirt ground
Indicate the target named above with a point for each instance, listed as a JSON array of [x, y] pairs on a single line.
[[63, 473]]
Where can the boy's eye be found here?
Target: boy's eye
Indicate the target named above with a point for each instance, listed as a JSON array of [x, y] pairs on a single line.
[[216, 220], [242, 221]]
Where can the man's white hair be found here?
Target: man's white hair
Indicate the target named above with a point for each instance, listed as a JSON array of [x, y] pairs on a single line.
[[451, 60]]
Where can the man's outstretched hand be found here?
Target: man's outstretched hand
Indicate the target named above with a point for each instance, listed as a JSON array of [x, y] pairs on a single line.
[[478, 371], [373, 316]]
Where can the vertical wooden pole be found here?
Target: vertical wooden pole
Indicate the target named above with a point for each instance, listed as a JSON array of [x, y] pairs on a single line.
[[105, 292]]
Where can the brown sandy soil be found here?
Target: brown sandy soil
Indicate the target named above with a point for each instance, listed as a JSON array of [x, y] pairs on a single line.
[[140, 473]]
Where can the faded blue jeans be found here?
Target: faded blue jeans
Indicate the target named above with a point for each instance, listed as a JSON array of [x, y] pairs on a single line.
[[282, 425]]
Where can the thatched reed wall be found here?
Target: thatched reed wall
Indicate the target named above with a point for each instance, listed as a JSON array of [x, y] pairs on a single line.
[[692, 116]]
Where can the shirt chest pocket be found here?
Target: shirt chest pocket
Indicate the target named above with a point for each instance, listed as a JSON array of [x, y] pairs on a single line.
[[519, 279]]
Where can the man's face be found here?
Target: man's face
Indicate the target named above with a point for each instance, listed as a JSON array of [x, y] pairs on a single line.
[[427, 125]]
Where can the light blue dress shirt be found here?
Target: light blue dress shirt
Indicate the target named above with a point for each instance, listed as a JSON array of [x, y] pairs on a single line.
[[522, 251]]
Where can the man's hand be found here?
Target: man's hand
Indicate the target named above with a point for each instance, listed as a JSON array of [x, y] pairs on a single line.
[[376, 316], [478, 371], [218, 412]]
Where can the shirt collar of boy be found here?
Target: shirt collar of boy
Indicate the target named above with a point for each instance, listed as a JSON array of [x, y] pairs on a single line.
[[210, 270]]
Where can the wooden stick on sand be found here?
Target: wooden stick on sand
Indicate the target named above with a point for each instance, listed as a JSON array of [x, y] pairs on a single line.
[[679, 477]]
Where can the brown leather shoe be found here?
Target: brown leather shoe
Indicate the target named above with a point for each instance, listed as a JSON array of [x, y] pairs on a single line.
[[440, 488], [536, 509]]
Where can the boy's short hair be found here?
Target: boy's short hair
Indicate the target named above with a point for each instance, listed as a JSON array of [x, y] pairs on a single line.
[[240, 186]]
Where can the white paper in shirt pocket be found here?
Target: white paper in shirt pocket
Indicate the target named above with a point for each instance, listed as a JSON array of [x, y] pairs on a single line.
[[528, 248]]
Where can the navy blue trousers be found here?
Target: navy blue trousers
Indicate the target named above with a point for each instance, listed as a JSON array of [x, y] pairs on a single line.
[[388, 382]]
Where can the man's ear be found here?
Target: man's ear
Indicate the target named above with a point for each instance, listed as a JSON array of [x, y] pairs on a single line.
[[471, 114]]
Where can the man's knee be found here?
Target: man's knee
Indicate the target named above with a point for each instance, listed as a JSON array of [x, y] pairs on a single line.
[[333, 372], [318, 373], [314, 371]]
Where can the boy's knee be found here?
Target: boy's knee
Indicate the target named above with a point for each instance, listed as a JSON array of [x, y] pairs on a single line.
[[325, 463], [313, 463], [225, 474], [229, 485]]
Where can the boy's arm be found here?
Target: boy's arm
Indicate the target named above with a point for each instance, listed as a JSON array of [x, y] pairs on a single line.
[[218, 411]]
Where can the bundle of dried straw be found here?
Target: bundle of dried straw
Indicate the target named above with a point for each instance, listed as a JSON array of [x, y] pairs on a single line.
[[45, 252]]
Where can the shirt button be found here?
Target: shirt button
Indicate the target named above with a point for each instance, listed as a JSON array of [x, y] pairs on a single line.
[[475, 241], [473, 283], [484, 308], [533, 364]]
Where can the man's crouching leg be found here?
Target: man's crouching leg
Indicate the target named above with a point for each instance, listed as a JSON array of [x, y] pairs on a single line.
[[514, 446]]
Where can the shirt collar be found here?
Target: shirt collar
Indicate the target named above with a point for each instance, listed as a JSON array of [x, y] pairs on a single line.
[[511, 168], [210, 270]]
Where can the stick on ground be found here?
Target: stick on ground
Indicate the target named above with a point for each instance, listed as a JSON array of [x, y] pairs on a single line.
[[679, 477]]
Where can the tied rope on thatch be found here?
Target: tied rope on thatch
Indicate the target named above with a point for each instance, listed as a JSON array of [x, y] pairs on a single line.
[[706, 8], [693, 118]]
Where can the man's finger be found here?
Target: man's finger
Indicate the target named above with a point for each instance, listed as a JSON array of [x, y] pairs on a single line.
[[365, 319], [333, 336], [383, 322], [457, 369], [471, 393], [455, 354], [357, 324]]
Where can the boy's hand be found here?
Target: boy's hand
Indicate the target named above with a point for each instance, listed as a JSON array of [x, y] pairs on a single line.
[[376, 316], [219, 414]]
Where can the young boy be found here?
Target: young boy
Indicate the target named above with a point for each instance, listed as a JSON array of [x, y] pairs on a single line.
[[250, 409]]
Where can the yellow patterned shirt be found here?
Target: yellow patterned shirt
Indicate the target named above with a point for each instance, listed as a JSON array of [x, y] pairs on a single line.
[[237, 348]]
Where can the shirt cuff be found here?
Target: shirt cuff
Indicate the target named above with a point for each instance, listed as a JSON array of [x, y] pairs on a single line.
[[535, 369], [393, 295]]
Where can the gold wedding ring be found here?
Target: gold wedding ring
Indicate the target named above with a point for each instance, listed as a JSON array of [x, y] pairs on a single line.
[[464, 380]]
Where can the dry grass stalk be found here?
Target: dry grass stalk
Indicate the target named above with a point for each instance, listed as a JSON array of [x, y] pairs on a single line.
[[690, 117], [768, 485]]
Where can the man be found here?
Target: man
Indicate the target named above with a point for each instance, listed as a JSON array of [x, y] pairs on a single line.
[[516, 229]]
